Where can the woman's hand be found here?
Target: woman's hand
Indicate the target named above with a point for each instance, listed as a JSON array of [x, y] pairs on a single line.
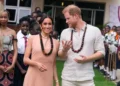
[[57, 83], [2, 68], [23, 71], [41, 67], [9, 68]]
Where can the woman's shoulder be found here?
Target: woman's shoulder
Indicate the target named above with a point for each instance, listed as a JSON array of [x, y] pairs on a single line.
[[33, 36], [56, 41], [11, 31]]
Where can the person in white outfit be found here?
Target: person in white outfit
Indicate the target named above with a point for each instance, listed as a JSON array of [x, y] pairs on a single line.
[[80, 44]]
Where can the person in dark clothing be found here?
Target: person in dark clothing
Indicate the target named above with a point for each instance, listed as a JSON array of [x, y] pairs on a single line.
[[22, 36]]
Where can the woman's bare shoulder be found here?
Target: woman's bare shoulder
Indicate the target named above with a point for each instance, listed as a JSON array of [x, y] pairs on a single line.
[[56, 41], [33, 36], [11, 31]]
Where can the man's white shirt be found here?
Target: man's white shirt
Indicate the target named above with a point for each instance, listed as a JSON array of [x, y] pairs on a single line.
[[93, 42]]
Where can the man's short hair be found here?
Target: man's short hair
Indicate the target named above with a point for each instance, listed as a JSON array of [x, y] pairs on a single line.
[[72, 9]]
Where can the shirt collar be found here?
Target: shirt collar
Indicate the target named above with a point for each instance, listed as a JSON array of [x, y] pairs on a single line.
[[20, 35], [83, 28]]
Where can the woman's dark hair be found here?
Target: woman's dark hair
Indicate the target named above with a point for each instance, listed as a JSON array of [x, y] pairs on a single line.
[[107, 26], [114, 26], [36, 9], [44, 17], [34, 13], [25, 18], [39, 13]]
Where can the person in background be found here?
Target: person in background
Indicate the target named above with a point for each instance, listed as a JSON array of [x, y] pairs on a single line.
[[34, 15], [30, 17], [37, 9], [102, 60], [110, 40], [107, 32], [39, 17], [34, 27], [118, 56], [114, 28], [54, 34], [43, 49], [22, 37], [80, 44], [118, 40], [8, 58]]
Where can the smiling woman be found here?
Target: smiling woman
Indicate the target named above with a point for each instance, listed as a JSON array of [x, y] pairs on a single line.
[[7, 58], [46, 24], [44, 48]]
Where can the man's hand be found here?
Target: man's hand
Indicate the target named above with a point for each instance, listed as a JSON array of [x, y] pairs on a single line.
[[66, 45], [81, 59]]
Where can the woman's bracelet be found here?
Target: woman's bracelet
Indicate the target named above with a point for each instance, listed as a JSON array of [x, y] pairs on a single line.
[[56, 81]]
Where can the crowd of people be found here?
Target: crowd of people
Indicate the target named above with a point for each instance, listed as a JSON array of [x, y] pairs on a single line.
[[110, 65], [20, 57], [28, 58]]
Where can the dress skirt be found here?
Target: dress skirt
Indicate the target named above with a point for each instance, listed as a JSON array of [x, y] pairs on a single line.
[[6, 79]]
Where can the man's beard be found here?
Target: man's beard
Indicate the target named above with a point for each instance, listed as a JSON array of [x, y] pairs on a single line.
[[72, 26]]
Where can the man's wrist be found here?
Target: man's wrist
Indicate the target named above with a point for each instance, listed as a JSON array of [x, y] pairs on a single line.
[[65, 51]]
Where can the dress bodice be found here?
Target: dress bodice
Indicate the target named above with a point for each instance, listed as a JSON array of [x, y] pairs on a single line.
[[7, 42]]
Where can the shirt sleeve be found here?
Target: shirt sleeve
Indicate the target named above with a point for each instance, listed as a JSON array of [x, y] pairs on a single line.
[[99, 42], [62, 38]]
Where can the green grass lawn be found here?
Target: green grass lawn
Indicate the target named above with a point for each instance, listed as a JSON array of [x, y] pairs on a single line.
[[99, 78]]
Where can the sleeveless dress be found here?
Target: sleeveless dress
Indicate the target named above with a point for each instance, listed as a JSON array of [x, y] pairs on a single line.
[[34, 77], [6, 79]]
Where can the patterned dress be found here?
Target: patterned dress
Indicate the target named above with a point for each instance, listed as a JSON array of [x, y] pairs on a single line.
[[6, 79]]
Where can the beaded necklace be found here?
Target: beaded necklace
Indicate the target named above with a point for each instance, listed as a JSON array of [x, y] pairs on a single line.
[[42, 46], [81, 47]]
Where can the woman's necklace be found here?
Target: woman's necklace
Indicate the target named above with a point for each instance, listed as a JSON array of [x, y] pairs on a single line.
[[42, 46], [82, 44]]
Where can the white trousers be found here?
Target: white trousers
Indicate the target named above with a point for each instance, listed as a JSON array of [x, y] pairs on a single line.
[[78, 83]]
